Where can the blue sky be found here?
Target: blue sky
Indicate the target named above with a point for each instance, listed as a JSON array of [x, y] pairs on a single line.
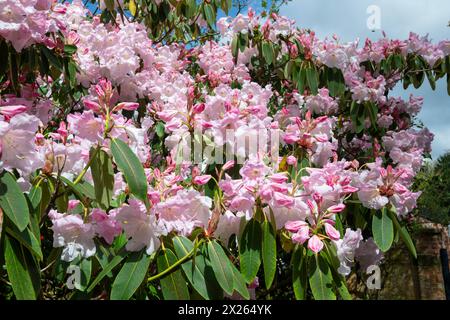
[[347, 19]]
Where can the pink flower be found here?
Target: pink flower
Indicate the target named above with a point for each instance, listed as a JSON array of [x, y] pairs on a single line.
[[228, 165], [70, 232], [336, 208], [141, 229], [294, 226], [302, 235], [184, 211], [201, 180], [291, 160], [332, 232], [92, 105], [129, 106], [315, 244], [105, 225], [11, 111]]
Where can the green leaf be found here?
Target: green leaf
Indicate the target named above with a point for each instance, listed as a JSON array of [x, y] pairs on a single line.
[[72, 70], [85, 266], [109, 5], [198, 273], [341, 286], [301, 78], [312, 79], [23, 272], [372, 110], [239, 283], [299, 273], [320, 279], [173, 286], [131, 168], [209, 15], [103, 176], [81, 190], [382, 229], [269, 252], [34, 198], [250, 250], [107, 269], [70, 49], [160, 129], [267, 52], [62, 201], [221, 266], [25, 237], [130, 276], [52, 58], [13, 202], [403, 232]]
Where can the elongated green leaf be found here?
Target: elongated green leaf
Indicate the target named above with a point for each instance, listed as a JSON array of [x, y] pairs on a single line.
[[209, 15], [130, 276], [34, 198], [81, 190], [70, 49], [25, 237], [85, 273], [320, 279], [312, 79], [173, 286], [131, 168], [23, 272], [383, 230], [300, 273], [239, 283], [267, 51], [13, 202], [198, 273], [103, 176], [250, 250], [107, 269], [221, 266], [269, 253], [341, 286], [52, 58], [403, 232]]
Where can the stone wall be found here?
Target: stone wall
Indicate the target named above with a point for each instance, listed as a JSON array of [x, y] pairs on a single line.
[[405, 278]]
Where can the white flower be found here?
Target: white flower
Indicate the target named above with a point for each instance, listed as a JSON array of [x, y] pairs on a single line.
[[141, 229], [70, 232]]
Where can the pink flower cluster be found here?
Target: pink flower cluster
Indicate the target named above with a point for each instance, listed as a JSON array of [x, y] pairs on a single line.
[[125, 73]]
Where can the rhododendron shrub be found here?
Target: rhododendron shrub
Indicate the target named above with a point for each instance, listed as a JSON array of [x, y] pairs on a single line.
[[165, 153]]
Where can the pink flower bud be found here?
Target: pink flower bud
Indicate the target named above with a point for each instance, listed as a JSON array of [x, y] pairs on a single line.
[[315, 244], [91, 105], [349, 189], [11, 111], [199, 108], [62, 130], [201, 180], [301, 236], [332, 232], [291, 160], [336, 208], [130, 106], [279, 178], [294, 226], [228, 165], [283, 200]]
